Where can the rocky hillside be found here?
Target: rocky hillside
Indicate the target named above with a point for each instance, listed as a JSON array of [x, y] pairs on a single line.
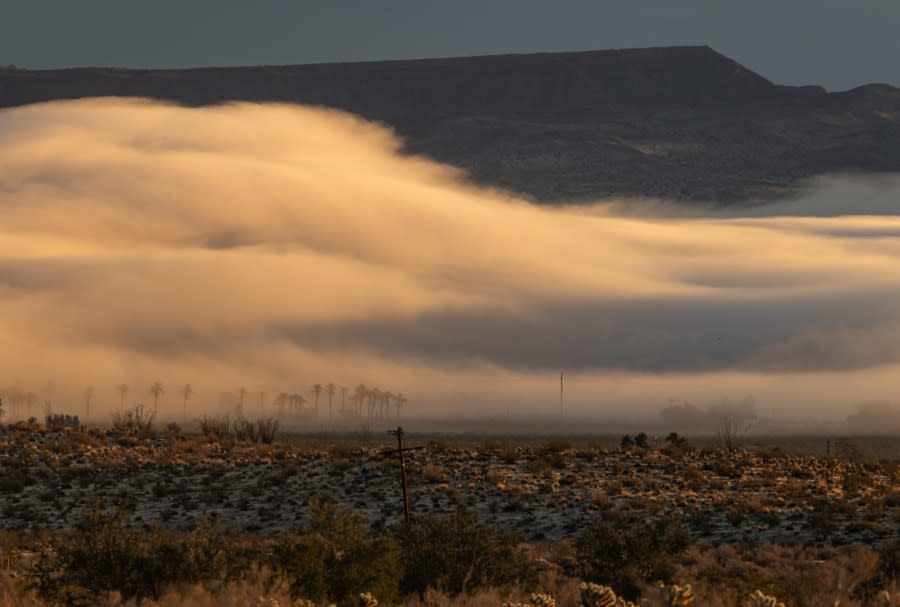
[[684, 123]]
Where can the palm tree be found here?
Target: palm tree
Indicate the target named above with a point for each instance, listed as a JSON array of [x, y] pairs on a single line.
[[330, 389], [281, 402], [88, 395], [296, 401], [359, 397], [386, 398], [50, 391], [399, 401], [317, 390], [14, 398], [374, 397], [156, 389], [30, 399], [301, 400], [242, 393], [186, 391], [123, 392], [343, 399]]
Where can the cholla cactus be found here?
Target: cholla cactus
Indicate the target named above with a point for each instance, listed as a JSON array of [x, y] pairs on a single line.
[[595, 595], [367, 600], [267, 602], [539, 599], [761, 599], [679, 596], [301, 603]]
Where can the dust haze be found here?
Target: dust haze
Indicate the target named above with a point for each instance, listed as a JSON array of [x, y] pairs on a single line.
[[273, 247]]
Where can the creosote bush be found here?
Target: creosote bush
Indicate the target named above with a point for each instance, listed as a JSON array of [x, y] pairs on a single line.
[[102, 555], [334, 559], [458, 554], [628, 555]]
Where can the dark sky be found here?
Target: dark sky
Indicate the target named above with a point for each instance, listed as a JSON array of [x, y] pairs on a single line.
[[836, 43]]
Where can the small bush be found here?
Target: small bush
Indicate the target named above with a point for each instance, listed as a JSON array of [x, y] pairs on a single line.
[[61, 421], [334, 559], [266, 429], [136, 422], [460, 554], [642, 441], [626, 556], [433, 474], [103, 556], [218, 427], [887, 573]]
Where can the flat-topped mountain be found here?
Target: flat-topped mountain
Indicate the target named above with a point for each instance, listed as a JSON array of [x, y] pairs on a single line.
[[683, 122]]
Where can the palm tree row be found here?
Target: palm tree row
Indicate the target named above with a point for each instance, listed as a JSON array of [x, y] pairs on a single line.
[[376, 402], [17, 397], [369, 402], [362, 401]]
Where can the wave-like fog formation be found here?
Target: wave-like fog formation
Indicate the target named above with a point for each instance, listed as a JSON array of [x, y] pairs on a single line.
[[274, 246]]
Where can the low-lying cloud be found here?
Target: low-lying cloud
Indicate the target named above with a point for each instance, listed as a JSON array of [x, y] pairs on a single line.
[[275, 246]]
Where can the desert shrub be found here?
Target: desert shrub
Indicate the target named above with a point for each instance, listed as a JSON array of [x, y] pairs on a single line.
[[61, 421], [887, 572], [215, 427], [102, 556], [266, 429], [540, 466], [458, 554], [555, 446], [334, 559], [262, 430], [136, 421], [433, 473], [627, 556], [15, 479], [642, 441]]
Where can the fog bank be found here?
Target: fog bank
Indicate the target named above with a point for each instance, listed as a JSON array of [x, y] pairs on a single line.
[[274, 247]]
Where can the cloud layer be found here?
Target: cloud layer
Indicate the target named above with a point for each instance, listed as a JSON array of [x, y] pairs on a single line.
[[275, 246]]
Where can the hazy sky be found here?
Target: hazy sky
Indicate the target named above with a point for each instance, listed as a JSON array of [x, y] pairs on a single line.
[[836, 43], [278, 246]]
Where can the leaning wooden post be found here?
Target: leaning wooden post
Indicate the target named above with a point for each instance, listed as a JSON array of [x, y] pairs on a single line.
[[399, 433]]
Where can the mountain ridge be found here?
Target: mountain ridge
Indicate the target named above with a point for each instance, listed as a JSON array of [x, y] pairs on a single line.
[[677, 122]]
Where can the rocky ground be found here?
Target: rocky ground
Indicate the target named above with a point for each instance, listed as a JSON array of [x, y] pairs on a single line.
[[540, 492]]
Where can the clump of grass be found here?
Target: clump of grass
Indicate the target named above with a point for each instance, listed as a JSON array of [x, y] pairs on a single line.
[[137, 422], [262, 430]]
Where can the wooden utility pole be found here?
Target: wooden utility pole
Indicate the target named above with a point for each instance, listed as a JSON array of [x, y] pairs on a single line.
[[561, 373], [399, 450]]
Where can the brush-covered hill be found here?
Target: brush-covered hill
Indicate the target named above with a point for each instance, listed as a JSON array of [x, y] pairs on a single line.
[[684, 122]]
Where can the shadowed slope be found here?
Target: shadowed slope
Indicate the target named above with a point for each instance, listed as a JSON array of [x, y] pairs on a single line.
[[683, 122]]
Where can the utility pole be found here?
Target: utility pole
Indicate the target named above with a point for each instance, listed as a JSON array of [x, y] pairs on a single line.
[[561, 373], [399, 450]]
